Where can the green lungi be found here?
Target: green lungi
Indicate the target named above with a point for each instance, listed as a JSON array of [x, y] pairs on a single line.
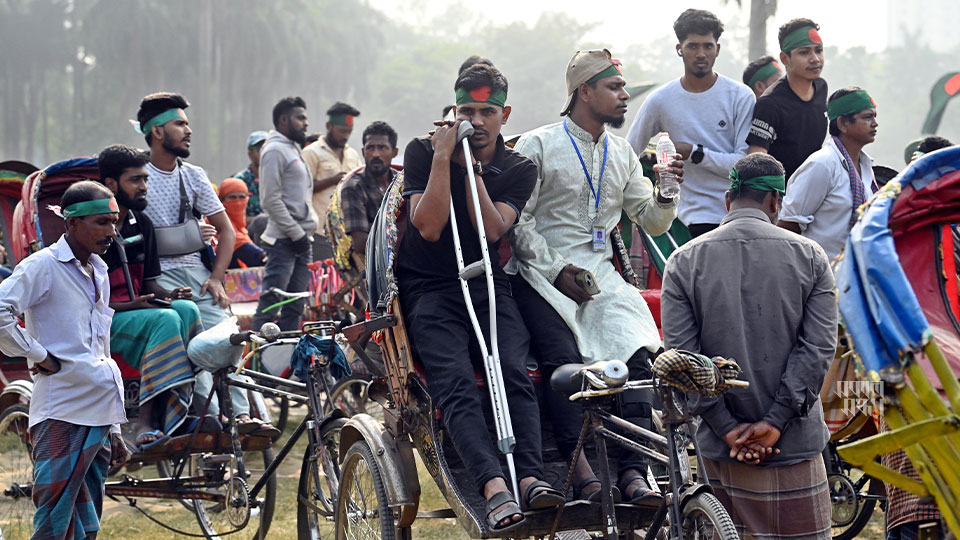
[[155, 342]]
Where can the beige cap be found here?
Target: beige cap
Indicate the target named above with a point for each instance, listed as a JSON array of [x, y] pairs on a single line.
[[584, 66]]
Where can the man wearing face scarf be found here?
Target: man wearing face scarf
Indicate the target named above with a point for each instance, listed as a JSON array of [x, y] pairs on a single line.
[[235, 196], [285, 188]]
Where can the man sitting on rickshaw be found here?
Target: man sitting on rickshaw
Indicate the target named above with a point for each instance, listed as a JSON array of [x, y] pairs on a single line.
[[587, 178], [433, 304], [149, 331]]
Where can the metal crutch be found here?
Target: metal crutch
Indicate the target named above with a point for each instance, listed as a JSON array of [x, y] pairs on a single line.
[[491, 358]]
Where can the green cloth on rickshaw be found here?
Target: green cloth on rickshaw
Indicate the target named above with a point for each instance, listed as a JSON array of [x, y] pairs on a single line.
[[155, 342]]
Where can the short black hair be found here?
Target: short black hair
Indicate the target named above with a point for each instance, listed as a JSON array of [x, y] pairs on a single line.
[[115, 159], [157, 103], [932, 143], [446, 110], [284, 106], [342, 108], [792, 25], [698, 22], [83, 191], [754, 67], [479, 75], [312, 138], [474, 60], [752, 166], [380, 128], [834, 128]]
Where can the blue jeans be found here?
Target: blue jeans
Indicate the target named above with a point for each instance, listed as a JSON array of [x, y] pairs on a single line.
[[287, 271]]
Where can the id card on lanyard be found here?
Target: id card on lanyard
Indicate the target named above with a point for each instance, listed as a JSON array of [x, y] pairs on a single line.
[[598, 231]]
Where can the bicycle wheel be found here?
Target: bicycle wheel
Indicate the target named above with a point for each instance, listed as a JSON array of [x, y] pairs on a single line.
[[350, 396], [217, 519], [852, 503], [16, 472], [319, 485], [703, 515], [362, 510]]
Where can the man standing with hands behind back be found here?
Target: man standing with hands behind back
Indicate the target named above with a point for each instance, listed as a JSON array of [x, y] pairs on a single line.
[[765, 297]]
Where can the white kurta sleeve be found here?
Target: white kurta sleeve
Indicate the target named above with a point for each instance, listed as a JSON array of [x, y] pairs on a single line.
[[26, 286], [641, 205]]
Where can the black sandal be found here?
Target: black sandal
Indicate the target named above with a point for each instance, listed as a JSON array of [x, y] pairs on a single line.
[[597, 495], [505, 499], [642, 496], [540, 495]]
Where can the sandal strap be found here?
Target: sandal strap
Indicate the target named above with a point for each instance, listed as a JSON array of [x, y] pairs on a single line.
[[499, 499], [537, 487], [584, 483]]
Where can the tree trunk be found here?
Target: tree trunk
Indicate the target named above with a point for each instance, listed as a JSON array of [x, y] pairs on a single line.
[[760, 11]]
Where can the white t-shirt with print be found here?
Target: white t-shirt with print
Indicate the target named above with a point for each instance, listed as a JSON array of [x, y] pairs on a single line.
[[163, 203]]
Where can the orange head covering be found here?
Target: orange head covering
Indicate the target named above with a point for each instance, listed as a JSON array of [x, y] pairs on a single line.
[[236, 208]]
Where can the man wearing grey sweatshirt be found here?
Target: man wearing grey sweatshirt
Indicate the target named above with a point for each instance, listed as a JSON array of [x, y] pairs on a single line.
[[707, 116], [285, 190]]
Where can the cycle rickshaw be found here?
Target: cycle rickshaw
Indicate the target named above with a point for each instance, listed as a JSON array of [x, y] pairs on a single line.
[[379, 488], [898, 298], [222, 479]]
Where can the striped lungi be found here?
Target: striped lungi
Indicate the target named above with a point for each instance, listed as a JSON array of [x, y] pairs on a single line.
[[789, 502], [70, 467], [155, 342]]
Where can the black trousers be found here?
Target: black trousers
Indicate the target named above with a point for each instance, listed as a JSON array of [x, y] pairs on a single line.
[[554, 345], [696, 229], [446, 345]]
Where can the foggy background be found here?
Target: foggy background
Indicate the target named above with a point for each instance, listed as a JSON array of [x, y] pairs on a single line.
[[74, 71]]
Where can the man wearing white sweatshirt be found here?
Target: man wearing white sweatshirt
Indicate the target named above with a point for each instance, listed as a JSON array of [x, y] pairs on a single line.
[[707, 116]]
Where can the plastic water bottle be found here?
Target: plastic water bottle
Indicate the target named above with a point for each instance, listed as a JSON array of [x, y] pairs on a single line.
[[669, 187]]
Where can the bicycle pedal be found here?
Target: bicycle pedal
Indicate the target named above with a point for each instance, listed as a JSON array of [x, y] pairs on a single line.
[[574, 535]]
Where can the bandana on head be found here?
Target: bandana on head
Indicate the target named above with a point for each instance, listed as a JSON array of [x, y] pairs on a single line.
[[481, 94], [764, 73], [87, 208], [851, 103], [761, 183], [341, 120], [159, 120], [801, 37], [614, 69]]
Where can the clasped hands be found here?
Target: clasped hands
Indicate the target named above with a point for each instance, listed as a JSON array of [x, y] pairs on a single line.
[[752, 443]]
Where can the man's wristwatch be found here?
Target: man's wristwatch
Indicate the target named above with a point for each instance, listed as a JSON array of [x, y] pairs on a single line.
[[697, 156]]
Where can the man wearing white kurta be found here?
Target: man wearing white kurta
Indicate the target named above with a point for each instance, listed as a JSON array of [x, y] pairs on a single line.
[[587, 177]]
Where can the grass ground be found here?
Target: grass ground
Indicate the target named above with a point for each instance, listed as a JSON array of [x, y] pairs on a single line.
[[120, 521]]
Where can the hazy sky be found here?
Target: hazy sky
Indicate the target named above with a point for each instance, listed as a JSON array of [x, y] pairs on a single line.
[[623, 23]]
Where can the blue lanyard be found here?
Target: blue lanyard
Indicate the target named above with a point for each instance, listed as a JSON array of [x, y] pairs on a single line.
[[603, 167]]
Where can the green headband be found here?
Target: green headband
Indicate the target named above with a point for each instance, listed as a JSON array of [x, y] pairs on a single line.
[[341, 120], [850, 104], [614, 69], [761, 183], [764, 73], [481, 94], [160, 119], [89, 208], [801, 37]]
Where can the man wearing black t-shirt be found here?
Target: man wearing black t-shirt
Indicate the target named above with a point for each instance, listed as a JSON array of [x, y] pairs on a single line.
[[432, 301], [790, 118], [148, 335]]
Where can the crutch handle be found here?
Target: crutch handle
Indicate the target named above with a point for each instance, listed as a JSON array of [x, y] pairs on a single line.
[[465, 130], [472, 270]]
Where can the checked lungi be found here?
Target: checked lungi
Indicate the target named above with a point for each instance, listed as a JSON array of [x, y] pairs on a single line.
[[767, 503], [70, 467], [155, 342]]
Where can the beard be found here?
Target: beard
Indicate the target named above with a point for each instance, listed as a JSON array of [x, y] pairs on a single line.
[[182, 153], [377, 167], [299, 137], [130, 203], [616, 122]]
